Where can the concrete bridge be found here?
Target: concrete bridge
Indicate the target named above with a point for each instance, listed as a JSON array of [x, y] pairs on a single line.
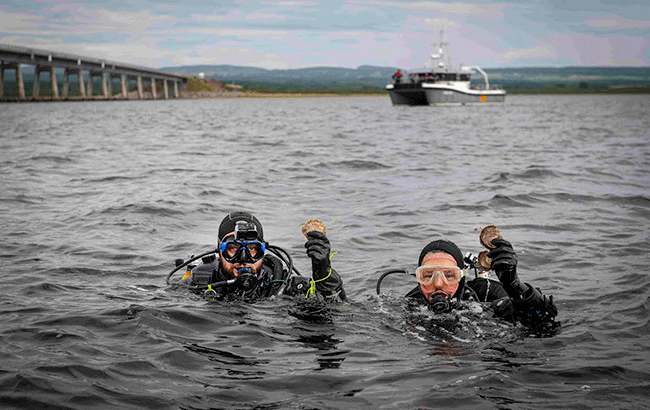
[[85, 69]]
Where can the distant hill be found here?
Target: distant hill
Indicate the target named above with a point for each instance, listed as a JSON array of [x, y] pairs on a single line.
[[313, 76], [372, 79], [378, 77]]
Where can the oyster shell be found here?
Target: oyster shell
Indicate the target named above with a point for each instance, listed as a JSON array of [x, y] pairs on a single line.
[[487, 234], [314, 225], [483, 261]]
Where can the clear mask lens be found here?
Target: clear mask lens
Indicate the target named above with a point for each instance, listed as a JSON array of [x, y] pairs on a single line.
[[450, 274]]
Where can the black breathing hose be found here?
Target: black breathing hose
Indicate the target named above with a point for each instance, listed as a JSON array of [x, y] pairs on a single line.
[[187, 262], [390, 272], [279, 252]]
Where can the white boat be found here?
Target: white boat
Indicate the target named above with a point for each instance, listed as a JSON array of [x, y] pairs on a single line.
[[438, 84]]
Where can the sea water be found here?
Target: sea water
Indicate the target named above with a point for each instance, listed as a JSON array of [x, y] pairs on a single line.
[[99, 199]]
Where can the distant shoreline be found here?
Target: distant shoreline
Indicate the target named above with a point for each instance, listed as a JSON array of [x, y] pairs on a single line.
[[200, 88], [232, 94], [239, 93]]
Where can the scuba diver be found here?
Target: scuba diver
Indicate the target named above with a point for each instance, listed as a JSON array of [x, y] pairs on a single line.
[[242, 266], [442, 284]]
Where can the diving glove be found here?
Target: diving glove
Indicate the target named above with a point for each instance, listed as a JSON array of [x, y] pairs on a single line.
[[504, 264], [318, 249]]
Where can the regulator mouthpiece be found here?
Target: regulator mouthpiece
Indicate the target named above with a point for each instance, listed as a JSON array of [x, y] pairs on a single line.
[[440, 303], [246, 280]]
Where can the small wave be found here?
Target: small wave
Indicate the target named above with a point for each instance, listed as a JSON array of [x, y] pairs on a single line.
[[143, 209], [635, 200], [593, 131], [598, 373], [536, 173], [211, 193], [498, 177], [51, 158], [531, 173], [392, 213], [111, 179], [43, 288], [222, 356], [566, 197], [504, 201], [298, 153], [601, 172], [77, 371], [463, 207], [360, 165], [175, 248], [23, 200], [264, 142], [57, 336], [188, 170]]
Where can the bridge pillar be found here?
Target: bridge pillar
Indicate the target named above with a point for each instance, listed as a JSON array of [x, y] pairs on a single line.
[[176, 95], [36, 90], [89, 84], [124, 86], [110, 85], [104, 85], [153, 88], [165, 89], [2, 78], [55, 85], [21, 81], [89, 91], [140, 96], [82, 88], [90, 87], [66, 82]]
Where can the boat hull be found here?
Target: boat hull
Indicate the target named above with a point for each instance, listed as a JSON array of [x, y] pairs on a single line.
[[408, 97], [444, 96]]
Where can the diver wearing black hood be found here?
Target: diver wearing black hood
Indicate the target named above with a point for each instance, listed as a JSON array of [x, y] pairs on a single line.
[[442, 284], [242, 267]]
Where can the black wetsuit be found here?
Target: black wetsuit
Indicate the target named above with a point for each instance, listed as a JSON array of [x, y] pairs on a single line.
[[531, 309], [271, 279]]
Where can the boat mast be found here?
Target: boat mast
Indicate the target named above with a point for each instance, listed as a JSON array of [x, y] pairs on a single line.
[[442, 54]]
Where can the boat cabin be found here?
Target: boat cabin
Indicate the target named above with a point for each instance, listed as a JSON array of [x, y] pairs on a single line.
[[426, 77]]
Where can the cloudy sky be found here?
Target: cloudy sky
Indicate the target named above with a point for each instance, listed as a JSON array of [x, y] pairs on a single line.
[[344, 33]]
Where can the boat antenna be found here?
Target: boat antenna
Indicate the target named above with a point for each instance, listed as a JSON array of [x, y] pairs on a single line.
[[441, 54]]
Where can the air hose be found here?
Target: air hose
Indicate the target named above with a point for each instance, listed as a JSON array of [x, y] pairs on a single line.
[[390, 272], [187, 262]]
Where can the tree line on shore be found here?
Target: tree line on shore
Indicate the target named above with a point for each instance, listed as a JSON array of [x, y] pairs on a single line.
[[224, 80]]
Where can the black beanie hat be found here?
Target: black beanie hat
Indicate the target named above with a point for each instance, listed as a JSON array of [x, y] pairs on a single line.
[[228, 223], [445, 246]]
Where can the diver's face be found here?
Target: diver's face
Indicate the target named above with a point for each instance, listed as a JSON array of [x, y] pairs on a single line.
[[438, 285], [232, 269]]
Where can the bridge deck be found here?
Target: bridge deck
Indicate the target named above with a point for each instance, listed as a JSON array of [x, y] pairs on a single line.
[[85, 69]]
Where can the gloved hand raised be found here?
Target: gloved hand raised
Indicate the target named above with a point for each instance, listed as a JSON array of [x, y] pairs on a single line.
[[504, 263], [318, 249]]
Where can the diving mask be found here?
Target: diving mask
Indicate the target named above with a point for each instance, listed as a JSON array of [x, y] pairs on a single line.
[[242, 251], [450, 274]]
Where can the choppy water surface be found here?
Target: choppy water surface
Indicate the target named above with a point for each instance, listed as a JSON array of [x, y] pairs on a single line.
[[99, 198]]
